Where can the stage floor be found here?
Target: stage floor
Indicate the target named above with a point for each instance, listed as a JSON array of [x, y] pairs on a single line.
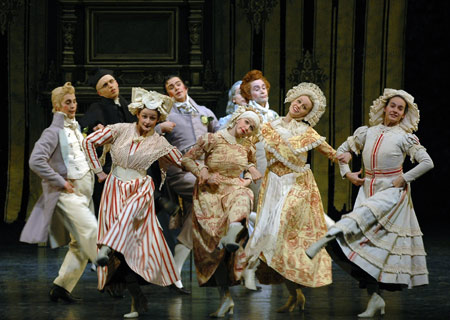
[[27, 272]]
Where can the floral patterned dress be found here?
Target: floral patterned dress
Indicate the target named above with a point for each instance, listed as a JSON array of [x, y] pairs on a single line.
[[216, 208], [290, 212]]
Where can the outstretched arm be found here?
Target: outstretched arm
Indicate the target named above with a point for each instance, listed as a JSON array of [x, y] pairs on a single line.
[[92, 141]]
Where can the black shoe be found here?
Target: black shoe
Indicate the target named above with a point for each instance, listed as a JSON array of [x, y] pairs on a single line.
[[58, 292], [179, 290]]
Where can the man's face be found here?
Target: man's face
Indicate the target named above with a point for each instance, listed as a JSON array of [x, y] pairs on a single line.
[[68, 105], [108, 87], [176, 89], [259, 92]]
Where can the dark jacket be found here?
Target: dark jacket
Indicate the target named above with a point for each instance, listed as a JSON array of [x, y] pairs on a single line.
[[106, 112]]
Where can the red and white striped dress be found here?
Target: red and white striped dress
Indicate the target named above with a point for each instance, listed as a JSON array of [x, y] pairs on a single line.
[[127, 219]]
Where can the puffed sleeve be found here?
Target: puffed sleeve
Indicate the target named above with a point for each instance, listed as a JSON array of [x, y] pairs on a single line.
[[97, 139], [355, 144], [417, 153], [203, 145]]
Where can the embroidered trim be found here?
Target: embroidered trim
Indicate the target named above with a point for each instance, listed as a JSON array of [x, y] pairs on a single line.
[[280, 158]]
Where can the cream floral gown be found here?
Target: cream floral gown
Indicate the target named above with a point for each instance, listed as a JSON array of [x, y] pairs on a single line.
[[216, 208], [290, 212]]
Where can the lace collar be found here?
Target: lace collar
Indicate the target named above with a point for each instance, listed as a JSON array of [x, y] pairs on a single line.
[[229, 138], [259, 107], [69, 123], [290, 129]]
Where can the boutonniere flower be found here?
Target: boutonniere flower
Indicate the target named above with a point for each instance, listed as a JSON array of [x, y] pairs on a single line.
[[84, 132], [206, 120]]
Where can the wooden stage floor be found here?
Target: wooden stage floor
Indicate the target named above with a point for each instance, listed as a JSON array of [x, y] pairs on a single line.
[[27, 272]]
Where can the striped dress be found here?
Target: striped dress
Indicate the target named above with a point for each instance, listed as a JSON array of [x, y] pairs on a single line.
[[127, 219]]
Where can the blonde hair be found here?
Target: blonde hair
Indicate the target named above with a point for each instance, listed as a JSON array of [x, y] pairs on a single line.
[[59, 93]]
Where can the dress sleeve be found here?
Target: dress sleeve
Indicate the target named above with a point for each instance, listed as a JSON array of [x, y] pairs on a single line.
[[40, 156], [173, 157], [94, 140], [355, 144], [251, 156], [325, 149], [417, 153], [201, 147]]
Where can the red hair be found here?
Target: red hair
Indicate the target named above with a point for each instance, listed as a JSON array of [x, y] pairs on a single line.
[[247, 81]]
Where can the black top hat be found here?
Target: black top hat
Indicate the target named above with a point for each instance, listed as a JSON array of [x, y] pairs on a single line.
[[97, 74]]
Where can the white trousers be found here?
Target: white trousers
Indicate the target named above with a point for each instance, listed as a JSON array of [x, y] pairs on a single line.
[[76, 210]]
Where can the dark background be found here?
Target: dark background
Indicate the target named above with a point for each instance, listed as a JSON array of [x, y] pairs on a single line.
[[426, 65]]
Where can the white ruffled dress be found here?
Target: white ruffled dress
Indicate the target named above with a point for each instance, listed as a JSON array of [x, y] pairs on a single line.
[[382, 235]]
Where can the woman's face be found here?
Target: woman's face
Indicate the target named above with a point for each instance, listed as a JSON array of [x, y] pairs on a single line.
[[69, 105], [238, 99], [258, 91], [394, 111], [244, 127], [147, 120], [300, 107]]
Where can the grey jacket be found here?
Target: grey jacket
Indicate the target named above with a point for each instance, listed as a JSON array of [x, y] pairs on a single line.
[[48, 160]]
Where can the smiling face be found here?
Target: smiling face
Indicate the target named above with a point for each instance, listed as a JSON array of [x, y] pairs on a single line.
[[244, 127], [394, 111], [68, 105], [300, 107], [175, 88], [259, 92], [147, 120], [108, 87]]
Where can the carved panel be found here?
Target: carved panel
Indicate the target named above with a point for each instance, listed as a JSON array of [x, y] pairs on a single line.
[[8, 11], [307, 70], [257, 11], [132, 35]]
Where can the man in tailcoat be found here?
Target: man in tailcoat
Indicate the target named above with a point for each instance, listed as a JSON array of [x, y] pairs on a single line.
[[64, 212]]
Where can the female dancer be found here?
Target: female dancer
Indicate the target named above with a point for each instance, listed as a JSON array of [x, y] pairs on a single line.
[[380, 242], [222, 202], [235, 100], [290, 213], [131, 240]]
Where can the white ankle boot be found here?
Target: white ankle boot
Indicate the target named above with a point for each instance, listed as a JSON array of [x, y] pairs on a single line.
[[229, 241], [314, 249], [376, 303], [181, 253], [249, 279]]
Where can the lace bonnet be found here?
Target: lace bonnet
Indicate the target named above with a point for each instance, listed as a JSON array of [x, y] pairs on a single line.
[[317, 98], [248, 113], [412, 117], [141, 98]]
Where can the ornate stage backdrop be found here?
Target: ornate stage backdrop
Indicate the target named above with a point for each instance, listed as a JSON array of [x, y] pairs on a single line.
[[352, 49]]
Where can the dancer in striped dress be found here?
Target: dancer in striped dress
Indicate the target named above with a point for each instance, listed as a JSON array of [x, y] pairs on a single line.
[[131, 241]]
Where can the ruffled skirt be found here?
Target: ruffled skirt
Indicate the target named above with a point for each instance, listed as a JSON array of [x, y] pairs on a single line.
[[382, 237]]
